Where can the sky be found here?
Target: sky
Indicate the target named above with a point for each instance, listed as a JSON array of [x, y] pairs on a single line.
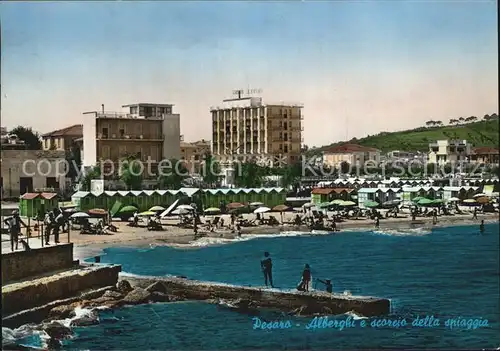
[[359, 67]]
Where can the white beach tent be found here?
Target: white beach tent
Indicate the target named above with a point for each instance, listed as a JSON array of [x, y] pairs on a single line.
[[169, 209]]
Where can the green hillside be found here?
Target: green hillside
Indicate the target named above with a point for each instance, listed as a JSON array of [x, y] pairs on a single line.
[[483, 133]]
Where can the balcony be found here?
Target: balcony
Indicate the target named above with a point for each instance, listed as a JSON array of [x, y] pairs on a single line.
[[128, 137]]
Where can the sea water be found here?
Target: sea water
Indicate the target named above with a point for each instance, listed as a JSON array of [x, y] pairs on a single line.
[[449, 274]]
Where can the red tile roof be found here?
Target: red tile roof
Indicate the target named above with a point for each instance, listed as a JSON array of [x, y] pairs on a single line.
[[74, 130], [323, 191], [48, 196], [485, 150], [348, 148], [29, 196]]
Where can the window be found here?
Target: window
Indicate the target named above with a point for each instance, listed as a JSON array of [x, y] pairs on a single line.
[[285, 126], [105, 152], [285, 137], [105, 133], [285, 149], [51, 182]]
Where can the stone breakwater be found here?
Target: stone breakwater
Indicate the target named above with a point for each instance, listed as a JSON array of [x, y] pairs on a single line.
[[62, 316]]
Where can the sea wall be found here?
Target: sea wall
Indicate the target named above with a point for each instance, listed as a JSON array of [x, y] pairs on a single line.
[[312, 302], [29, 294], [24, 264]]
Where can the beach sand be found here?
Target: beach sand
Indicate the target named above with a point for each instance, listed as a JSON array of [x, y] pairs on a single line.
[[87, 245]]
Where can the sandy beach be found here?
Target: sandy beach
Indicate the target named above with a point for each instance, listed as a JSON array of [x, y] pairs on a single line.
[[90, 244]]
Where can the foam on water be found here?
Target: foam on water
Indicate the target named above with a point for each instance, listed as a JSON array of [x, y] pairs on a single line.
[[403, 232]]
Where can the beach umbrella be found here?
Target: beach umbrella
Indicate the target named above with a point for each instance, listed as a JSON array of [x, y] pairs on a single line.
[[235, 205], [186, 207], [157, 208], [128, 208], [281, 208], [180, 211], [336, 202], [323, 205], [262, 210], [212, 210], [147, 213], [98, 212], [425, 202], [79, 215], [437, 202], [479, 195], [256, 204], [483, 200], [418, 198], [348, 204], [453, 199], [308, 205], [470, 201], [70, 210], [371, 204]]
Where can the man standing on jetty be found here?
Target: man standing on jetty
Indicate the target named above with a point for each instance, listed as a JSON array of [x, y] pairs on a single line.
[[267, 268]]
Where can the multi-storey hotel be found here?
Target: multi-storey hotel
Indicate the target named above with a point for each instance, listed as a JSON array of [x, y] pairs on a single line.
[[246, 128], [144, 131]]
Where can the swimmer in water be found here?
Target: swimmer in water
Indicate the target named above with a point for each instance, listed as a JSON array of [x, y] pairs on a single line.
[[481, 227]]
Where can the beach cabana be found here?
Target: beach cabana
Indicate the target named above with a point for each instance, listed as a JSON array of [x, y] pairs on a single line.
[[379, 195], [322, 195], [32, 204]]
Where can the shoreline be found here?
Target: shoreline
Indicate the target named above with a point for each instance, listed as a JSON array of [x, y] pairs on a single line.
[[183, 238]]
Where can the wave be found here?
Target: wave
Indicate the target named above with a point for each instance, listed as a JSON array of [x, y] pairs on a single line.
[[27, 335], [214, 241], [403, 232]]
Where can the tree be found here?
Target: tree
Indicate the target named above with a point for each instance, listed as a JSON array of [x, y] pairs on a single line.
[[74, 161], [290, 174], [494, 116], [430, 123], [453, 121], [31, 139], [461, 120], [438, 123], [486, 117], [248, 175], [345, 167], [173, 175], [211, 170], [87, 177], [131, 171]]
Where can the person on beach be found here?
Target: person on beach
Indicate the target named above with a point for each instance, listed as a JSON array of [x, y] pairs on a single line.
[[14, 223], [267, 268], [481, 227], [377, 223], [56, 228], [328, 285], [238, 229], [474, 216], [306, 279], [48, 221]]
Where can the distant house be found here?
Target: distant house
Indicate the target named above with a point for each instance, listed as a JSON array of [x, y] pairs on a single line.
[[488, 155], [446, 151], [460, 192], [429, 192], [352, 154], [62, 139]]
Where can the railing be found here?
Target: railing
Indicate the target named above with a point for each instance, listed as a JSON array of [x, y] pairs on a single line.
[[35, 231]]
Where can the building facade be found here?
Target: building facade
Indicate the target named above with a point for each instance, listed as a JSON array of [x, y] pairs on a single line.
[[193, 154], [62, 139], [444, 152], [351, 154], [486, 155], [145, 131], [27, 170], [246, 128]]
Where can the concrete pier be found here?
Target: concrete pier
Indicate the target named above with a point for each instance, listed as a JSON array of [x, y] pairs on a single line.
[[311, 302]]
